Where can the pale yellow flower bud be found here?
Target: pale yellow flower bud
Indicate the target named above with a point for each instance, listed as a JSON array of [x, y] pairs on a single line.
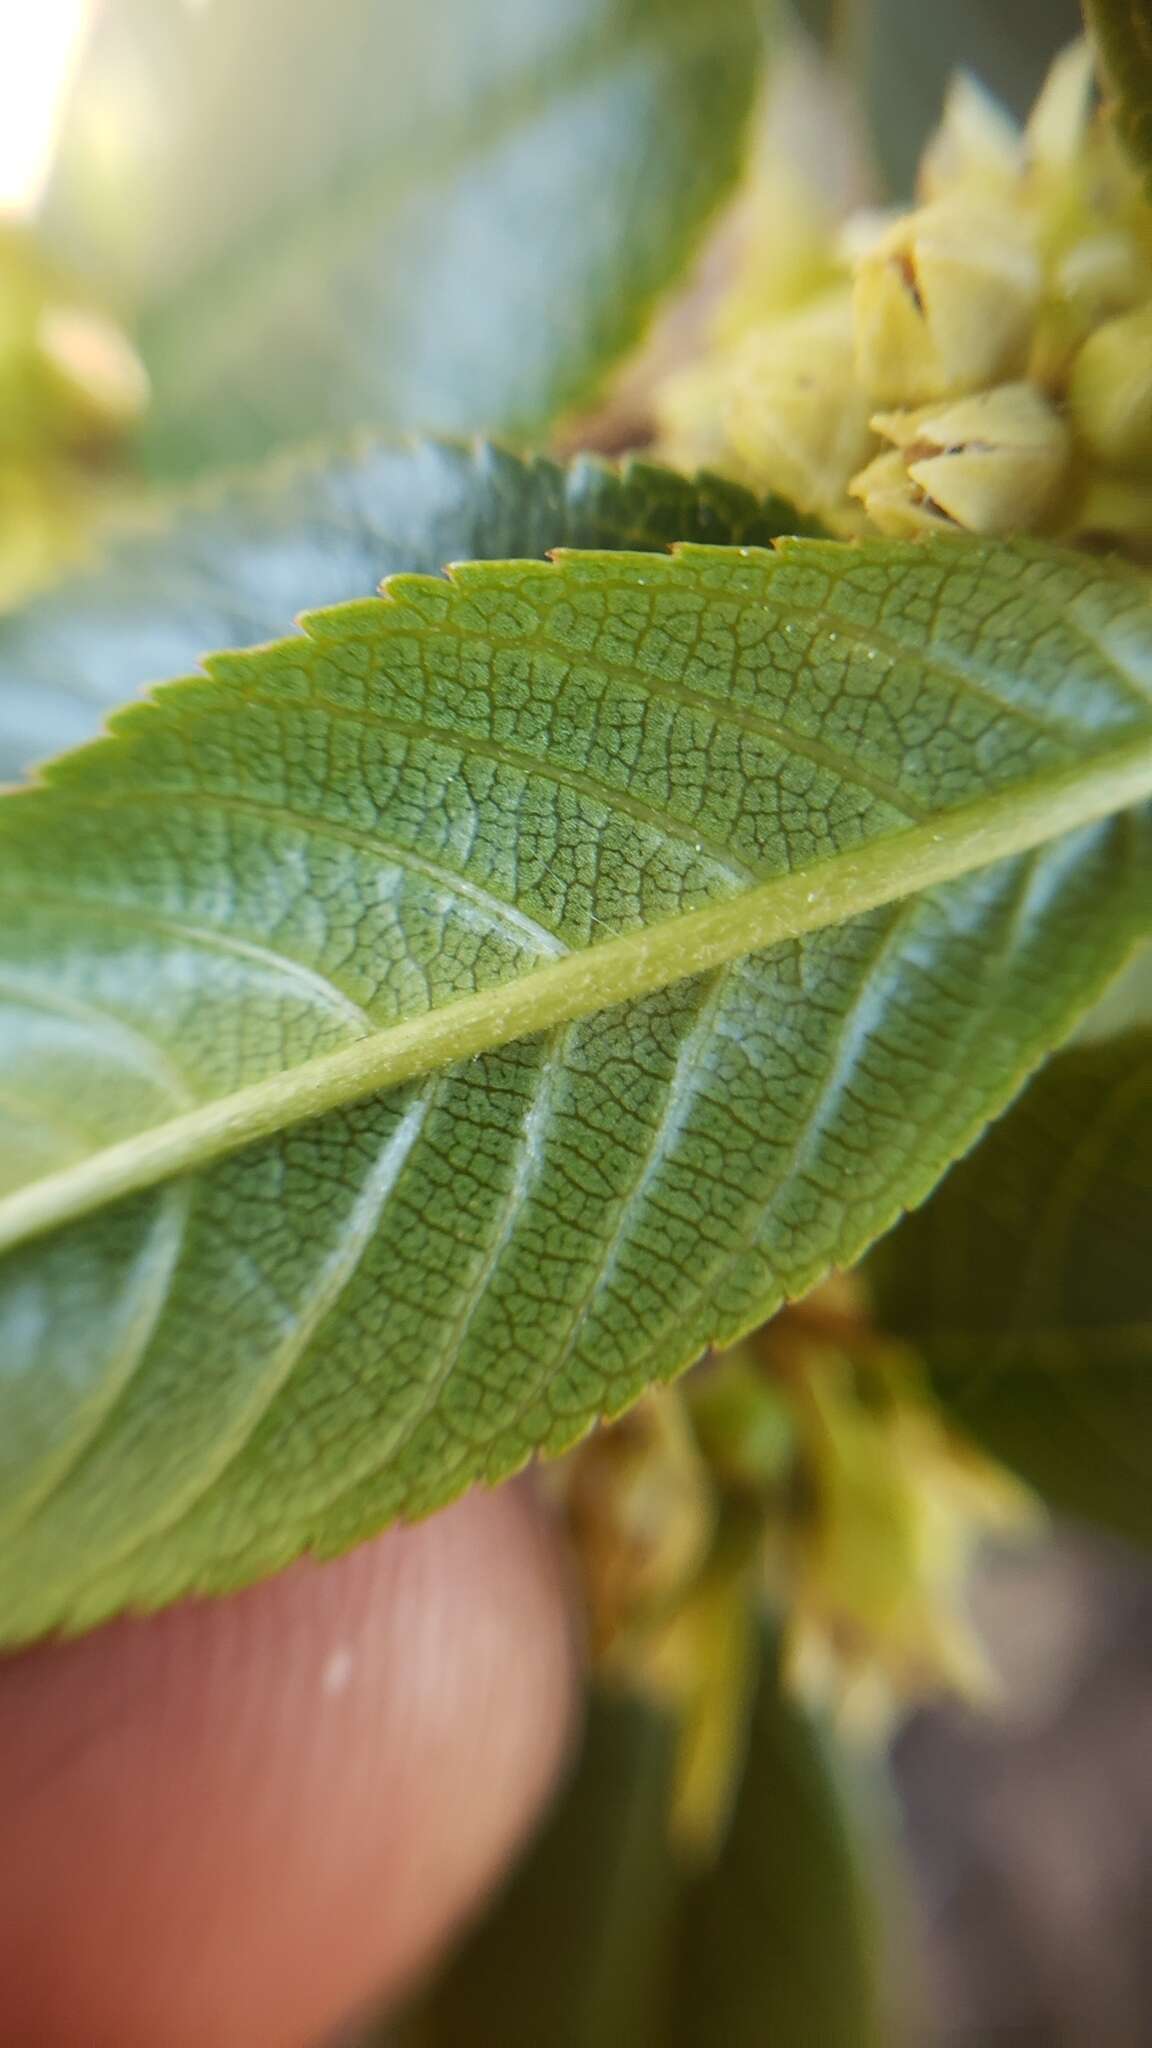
[[1110, 391], [780, 411], [788, 257], [977, 148], [1058, 124], [1004, 327], [1097, 277], [945, 302], [894, 504], [1103, 274], [692, 415], [994, 463]]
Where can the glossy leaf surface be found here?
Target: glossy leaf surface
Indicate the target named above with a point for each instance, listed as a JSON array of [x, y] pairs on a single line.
[[421, 1034]]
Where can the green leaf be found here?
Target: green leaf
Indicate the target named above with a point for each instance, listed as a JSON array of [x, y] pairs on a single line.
[[906, 55], [579, 1951], [446, 216], [1027, 1280], [232, 565], [605, 1940], [781, 1943], [1122, 30], [420, 1034]]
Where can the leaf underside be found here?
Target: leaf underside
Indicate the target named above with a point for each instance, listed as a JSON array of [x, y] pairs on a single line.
[[1027, 1280], [437, 218], [230, 565], [440, 794]]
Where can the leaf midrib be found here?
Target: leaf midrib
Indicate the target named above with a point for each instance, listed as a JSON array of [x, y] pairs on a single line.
[[1011, 821]]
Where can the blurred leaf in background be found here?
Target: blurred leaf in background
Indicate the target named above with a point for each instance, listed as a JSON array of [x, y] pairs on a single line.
[[782, 1943], [232, 563], [1123, 33], [448, 217], [576, 1953], [605, 1938], [1027, 1280]]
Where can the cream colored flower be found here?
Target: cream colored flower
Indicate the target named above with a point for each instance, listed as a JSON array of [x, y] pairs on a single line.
[[779, 410], [1110, 392], [996, 462], [998, 337], [945, 303]]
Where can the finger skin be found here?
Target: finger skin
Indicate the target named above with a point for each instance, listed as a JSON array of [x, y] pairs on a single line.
[[236, 1822]]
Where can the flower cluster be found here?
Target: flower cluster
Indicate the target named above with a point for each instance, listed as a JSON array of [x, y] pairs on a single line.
[[981, 362], [807, 1468]]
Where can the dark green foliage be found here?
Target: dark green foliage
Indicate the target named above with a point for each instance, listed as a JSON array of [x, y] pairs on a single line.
[[607, 1939], [1027, 1280], [1123, 32]]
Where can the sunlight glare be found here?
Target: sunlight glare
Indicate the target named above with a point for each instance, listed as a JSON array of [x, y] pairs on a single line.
[[37, 43]]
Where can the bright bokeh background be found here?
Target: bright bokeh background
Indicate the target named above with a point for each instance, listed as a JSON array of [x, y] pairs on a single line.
[[38, 39]]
